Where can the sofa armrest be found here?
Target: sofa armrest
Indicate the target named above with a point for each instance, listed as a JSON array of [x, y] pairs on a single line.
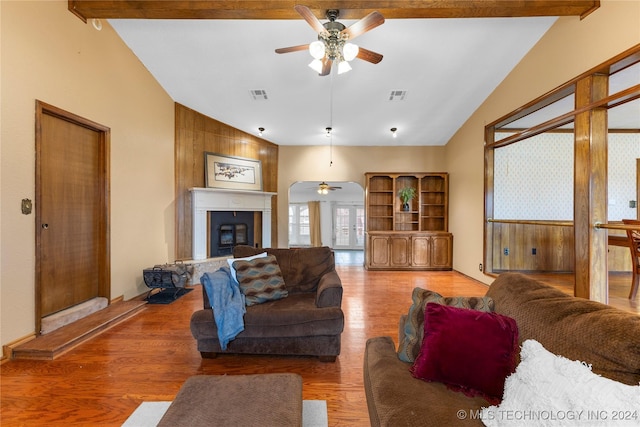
[[329, 291], [205, 298]]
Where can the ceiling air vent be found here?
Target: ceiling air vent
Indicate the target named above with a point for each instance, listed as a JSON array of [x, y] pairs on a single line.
[[397, 95], [259, 95]]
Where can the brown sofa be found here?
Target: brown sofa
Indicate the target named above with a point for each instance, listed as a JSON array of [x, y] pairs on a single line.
[[575, 328], [309, 321]]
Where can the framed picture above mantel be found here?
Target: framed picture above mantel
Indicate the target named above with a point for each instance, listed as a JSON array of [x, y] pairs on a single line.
[[238, 173]]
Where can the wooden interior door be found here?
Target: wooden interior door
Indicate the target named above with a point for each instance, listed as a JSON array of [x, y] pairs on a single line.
[[72, 211]]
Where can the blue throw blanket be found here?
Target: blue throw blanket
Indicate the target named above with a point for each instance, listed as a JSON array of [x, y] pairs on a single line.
[[227, 302]]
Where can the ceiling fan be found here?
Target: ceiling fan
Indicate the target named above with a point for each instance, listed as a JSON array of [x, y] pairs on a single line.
[[324, 188], [333, 44]]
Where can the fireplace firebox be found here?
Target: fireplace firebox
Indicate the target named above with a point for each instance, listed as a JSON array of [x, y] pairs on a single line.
[[229, 229], [231, 235]]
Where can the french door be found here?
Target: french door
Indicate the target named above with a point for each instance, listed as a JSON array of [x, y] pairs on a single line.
[[348, 227]]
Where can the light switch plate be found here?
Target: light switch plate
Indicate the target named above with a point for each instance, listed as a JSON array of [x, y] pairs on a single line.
[[26, 206]]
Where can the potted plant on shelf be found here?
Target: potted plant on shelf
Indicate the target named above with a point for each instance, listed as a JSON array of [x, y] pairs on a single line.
[[406, 194]]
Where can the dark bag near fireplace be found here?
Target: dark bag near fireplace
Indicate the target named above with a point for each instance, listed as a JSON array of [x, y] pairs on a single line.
[[167, 276]]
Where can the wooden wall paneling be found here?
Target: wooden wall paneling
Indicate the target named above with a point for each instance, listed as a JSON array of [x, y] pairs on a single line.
[[554, 248], [197, 134], [517, 245]]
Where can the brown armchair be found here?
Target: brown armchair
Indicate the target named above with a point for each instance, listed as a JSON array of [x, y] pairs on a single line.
[[309, 321]]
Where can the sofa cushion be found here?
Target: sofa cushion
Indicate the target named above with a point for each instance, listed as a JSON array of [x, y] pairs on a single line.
[[294, 316], [468, 350], [551, 384], [230, 261], [301, 268], [411, 338], [395, 398], [260, 279], [564, 325]]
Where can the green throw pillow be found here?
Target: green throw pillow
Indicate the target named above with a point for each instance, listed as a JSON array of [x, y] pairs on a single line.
[[411, 341], [260, 280]]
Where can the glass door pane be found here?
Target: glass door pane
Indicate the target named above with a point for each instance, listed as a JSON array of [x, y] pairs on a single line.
[[348, 227]]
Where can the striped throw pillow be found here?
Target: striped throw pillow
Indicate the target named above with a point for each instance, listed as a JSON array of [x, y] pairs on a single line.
[[260, 280], [410, 343]]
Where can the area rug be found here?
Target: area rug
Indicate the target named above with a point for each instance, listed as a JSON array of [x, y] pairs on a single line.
[[149, 414], [167, 296]]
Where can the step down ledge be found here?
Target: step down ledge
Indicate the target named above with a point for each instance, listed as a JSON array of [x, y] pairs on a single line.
[[58, 342]]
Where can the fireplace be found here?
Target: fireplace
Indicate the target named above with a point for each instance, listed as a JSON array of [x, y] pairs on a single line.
[[205, 200], [230, 228]]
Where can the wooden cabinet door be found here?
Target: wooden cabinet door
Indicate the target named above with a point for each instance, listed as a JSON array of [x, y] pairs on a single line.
[[400, 250], [421, 251], [441, 254], [379, 251]]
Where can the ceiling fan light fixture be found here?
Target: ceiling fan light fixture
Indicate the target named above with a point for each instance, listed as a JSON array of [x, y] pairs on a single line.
[[394, 132], [350, 51], [316, 65], [260, 130], [317, 49], [328, 131], [323, 188], [343, 67]]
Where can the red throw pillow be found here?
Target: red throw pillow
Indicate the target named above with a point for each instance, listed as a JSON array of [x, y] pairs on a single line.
[[468, 350]]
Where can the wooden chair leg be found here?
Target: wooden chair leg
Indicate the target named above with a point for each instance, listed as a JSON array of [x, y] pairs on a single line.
[[635, 283]]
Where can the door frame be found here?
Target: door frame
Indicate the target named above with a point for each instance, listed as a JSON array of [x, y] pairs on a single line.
[[104, 267]]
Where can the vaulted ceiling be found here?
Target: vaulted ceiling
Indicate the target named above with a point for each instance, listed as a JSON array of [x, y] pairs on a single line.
[[444, 56]]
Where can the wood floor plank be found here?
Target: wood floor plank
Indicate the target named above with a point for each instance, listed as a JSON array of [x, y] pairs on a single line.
[[149, 356]]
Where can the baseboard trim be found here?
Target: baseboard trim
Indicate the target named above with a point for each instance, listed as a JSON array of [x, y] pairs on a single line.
[[7, 349]]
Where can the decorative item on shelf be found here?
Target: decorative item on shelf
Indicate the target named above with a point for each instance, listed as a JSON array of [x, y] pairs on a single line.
[[406, 195]]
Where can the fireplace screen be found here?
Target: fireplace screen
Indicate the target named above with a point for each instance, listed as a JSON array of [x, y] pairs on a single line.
[[232, 234]]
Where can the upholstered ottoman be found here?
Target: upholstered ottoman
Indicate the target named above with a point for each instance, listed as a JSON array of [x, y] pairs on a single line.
[[237, 400]]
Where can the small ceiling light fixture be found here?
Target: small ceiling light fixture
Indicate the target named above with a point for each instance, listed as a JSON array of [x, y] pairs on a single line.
[[394, 132], [97, 24], [260, 130], [328, 132]]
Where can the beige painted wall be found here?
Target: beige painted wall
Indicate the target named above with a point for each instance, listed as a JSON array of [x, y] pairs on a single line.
[[349, 164], [47, 53], [570, 47]]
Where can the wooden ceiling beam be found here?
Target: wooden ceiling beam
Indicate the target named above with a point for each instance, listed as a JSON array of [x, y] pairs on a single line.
[[349, 9]]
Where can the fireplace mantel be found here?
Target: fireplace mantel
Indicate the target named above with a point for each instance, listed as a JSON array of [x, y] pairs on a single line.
[[205, 200]]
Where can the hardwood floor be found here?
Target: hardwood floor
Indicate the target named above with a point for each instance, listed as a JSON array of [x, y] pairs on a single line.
[[148, 358]]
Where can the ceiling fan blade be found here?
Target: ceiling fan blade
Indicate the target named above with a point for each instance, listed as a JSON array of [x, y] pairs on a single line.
[[367, 23], [369, 56], [292, 48], [311, 19], [326, 66]]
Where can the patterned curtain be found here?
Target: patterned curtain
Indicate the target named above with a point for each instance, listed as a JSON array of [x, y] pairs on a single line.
[[314, 223]]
